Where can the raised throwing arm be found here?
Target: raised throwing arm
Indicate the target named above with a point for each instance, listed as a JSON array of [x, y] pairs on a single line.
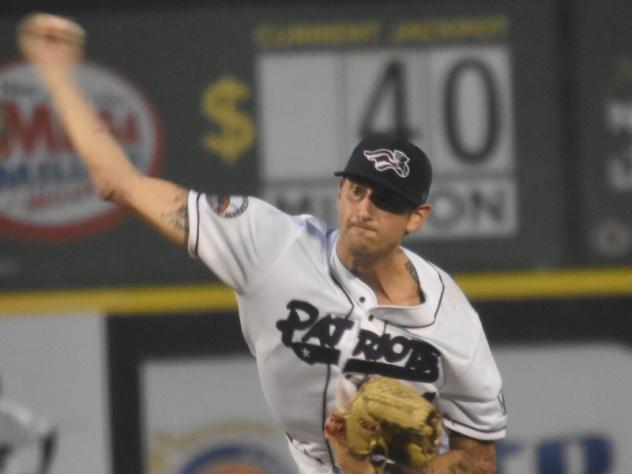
[[54, 46]]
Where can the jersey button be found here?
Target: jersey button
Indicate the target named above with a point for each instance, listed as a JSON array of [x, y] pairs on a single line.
[[371, 317], [362, 299]]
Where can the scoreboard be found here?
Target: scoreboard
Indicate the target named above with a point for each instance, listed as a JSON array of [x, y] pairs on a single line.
[[471, 85], [453, 101], [270, 102]]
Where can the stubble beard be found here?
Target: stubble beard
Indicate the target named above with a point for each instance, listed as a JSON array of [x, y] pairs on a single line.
[[363, 249]]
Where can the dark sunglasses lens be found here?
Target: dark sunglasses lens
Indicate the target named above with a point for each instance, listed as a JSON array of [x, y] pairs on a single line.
[[390, 202]]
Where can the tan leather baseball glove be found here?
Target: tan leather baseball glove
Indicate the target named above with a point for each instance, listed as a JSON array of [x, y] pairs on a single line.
[[388, 425]]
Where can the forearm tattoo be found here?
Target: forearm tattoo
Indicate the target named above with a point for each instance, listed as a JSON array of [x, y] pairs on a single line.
[[467, 456], [459, 468], [179, 217]]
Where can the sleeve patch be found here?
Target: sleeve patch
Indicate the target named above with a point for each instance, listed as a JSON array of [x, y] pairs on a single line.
[[228, 206]]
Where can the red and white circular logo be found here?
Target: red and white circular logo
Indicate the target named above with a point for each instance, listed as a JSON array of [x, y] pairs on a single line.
[[45, 191]]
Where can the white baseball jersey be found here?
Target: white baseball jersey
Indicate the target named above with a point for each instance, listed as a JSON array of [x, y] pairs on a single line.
[[308, 321]]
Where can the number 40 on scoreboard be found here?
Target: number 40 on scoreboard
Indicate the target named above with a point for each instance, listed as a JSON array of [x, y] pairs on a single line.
[[453, 101]]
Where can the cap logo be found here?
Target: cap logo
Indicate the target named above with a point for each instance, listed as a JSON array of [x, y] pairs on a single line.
[[384, 159]]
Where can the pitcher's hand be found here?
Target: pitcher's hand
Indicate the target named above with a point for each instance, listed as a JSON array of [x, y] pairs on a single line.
[[349, 463], [50, 41]]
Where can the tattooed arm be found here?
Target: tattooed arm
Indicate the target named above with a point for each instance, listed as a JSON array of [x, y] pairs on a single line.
[[162, 204], [52, 45], [466, 456]]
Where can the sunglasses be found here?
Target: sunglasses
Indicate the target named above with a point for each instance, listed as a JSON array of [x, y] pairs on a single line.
[[385, 199]]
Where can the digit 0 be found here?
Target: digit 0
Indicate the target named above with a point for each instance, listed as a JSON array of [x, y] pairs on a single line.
[[453, 112]]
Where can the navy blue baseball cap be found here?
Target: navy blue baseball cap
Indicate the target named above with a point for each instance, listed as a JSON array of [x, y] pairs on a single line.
[[392, 163]]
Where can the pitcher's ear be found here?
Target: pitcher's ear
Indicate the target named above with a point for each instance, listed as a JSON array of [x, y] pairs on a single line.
[[418, 217]]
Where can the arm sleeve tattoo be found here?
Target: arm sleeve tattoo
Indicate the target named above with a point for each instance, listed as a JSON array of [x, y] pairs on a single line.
[[178, 218]]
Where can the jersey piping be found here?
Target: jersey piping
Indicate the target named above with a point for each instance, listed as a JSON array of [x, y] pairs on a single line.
[[352, 283], [197, 223], [436, 311], [324, 411]]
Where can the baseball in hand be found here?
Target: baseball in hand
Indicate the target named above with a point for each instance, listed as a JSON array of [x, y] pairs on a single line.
[[46, 39]]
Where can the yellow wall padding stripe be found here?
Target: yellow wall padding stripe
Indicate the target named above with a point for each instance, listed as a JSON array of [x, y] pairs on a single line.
[[136, 300], [217, 297], [547, 284]]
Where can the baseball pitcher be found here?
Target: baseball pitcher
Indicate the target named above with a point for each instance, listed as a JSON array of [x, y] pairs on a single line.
[[324, 311]]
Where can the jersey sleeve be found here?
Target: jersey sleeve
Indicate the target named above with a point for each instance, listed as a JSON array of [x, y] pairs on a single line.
[[472, 401], [239, 238]]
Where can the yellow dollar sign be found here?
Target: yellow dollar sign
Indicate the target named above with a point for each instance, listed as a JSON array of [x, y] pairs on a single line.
[[237, 130]]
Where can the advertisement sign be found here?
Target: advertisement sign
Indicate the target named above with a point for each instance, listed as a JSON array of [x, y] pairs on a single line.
[[568, 409], [209, 415], [455, 83], [45, 191], [454, 101], [192, 394]]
